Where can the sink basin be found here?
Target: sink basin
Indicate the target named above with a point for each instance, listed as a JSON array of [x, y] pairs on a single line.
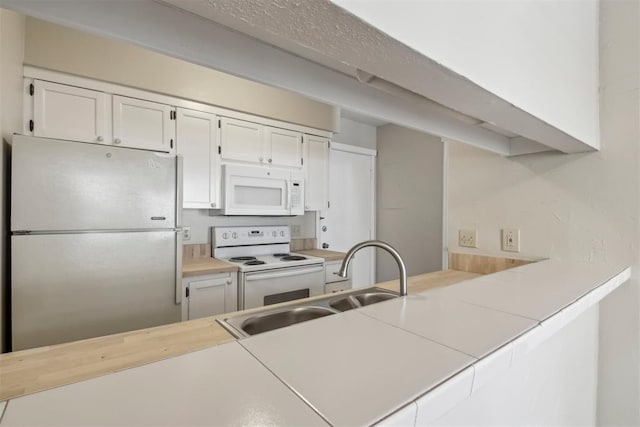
[[267, 322], [354, 301], [269, 318]]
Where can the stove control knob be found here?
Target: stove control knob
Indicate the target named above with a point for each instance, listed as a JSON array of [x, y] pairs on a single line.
[[234, 235], [274, 233], [281, 233], [225, 235]]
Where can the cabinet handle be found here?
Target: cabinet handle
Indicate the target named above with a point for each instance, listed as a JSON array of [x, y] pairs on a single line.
[[213, 205], [269, 160], [100, 139], [261, 159], [117, 141], [229, 282]]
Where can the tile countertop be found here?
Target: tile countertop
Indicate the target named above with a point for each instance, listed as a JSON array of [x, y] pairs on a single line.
[[356, 368]]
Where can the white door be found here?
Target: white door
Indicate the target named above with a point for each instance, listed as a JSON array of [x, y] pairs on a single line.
[[197, 143], [284, 147], [241, 141], [316, 158], [68, 112], [350, 217], [143, 124]]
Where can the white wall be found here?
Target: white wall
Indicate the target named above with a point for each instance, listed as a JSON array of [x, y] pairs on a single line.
[[12, 29], [578, 207], [409, 200], [554, 385], [59, 48], [539, 55], [356, 133]]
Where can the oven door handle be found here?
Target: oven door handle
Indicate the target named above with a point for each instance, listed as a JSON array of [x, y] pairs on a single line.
[[277, 274]]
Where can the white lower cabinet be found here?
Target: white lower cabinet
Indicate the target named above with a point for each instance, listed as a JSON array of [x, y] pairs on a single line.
[[209, 295], [333, 282]]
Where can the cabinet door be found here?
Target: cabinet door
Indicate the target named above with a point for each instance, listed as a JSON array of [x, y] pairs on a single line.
[[197, 143], [207, 297], [68, 112], [284, 147], [316, 159], [143, 124], [241, 141]]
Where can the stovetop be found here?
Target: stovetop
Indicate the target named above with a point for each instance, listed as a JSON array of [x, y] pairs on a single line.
[[257, 248], [272, 261]]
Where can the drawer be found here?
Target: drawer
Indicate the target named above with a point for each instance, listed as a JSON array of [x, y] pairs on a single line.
[[331, 270]]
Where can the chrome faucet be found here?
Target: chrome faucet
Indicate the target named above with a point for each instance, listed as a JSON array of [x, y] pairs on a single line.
[[382, 245]]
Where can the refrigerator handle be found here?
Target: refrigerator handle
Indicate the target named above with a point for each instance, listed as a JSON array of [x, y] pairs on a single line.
[[179, 171], [178, 266], [179, 234]]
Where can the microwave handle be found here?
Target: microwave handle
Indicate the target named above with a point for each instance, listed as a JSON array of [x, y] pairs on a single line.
[[288, 206]]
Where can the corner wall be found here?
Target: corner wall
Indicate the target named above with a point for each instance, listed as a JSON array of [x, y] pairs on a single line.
[[409, 200], [577, 207], [12, 32]]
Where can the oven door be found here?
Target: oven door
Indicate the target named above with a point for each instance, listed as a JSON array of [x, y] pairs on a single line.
[[284, 284]]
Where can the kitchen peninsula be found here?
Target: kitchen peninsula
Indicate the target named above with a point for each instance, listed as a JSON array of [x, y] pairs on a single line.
[[468, 333]]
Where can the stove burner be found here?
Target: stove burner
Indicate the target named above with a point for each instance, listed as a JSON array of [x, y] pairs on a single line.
[[281, 255], [242, 258], [293, 258], [254, 262]]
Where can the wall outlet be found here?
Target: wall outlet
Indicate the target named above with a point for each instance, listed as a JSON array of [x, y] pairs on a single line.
[[296, 230], [186, 233], [468, 238], [511, 240]]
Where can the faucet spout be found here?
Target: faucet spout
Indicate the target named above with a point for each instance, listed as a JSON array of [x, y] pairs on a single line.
[[382, 245]]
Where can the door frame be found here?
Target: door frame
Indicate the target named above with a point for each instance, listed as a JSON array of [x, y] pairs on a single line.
[[354, 149]]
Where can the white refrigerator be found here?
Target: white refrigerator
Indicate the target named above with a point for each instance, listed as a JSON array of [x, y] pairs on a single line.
[[96, 243]]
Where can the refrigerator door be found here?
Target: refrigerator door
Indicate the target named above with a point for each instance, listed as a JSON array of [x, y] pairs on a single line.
[[62, 185], [67, 287]]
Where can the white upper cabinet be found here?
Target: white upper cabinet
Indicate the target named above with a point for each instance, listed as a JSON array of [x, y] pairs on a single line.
[[283, 147], [197, 143], [68, 112], [241, 141], [143, 124], [316, 166]]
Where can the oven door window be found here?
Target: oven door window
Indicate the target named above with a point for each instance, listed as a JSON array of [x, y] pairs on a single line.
[[286, 284]]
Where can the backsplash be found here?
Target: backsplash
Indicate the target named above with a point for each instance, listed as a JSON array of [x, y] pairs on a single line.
[[201, 222]]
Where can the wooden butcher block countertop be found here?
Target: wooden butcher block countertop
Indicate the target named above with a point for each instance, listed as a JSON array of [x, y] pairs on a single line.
[[38, 369], [203, 266], [322, 253]]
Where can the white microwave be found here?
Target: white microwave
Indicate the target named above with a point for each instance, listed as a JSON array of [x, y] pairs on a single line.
[[262, 191]]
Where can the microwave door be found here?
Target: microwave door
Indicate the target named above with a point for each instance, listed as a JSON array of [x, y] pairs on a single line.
[[257, 196]]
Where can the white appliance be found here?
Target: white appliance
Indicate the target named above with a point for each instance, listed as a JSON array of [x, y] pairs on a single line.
[[262, 191], [268, 272], [96, 245]]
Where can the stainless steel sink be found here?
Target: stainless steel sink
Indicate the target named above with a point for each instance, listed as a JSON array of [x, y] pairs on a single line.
[[354, 301], [270, 318], [268, 322]]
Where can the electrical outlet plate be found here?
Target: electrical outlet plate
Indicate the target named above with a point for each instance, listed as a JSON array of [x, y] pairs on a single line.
[[511, 239], [186, 233], [296, 230], [468, 238]]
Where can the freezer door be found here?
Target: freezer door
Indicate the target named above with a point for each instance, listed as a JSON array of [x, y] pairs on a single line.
[[62, 185], [72, 286]]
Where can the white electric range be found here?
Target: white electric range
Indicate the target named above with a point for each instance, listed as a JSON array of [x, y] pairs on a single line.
[[268, 272]]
